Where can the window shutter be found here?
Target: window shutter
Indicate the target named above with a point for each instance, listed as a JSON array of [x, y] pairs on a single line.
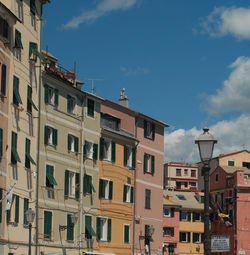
[[76, 144], [132, 195], [85, 149], [18, 40], [95, 151], [124, 192], [1, 206], [125, 155], [110, 190], [194, 214], [188, 237], [85, 184], [66, 183], [153, 131], [152, 165], [109, 230], [113, 152], [69, 103], [54, 137], [17, 99], [145, 128], [46, 134], [77, 185], [172, 212], [46, 94], [202, 217], [69, 142], [134, 158], [47, 224], [1, 144], [56, 97], [126, 234], [8, 216], [101, 148], [101, 195], [145, 162], [98, 228], [180, 215], [172, 231], [189, 216], [202, 237], [17, 209], [25, 208], [3, 80], [70, 228], [180, 237]]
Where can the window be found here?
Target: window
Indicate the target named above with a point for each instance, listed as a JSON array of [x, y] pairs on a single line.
[[185, 184], [50, 180], [89, 231], [50, 136], [18, 40], [147, 199], [216, 177], [168, 231], [148, 237], [20, 9], [129, 156], [71, 103], [47, 223], [202, 199], [14, 153], [88, 187], [149, 130], [33, 20], [28, 158], [196, 216], [105, 189], [246, 164], [90, 150], [185, 237], [73, 143], [149, 164], [13, 213], [181, 197], [222, 200], [50, 95], [71, 184], [126, 232], [197, 237], [3, 80], [103, 229], [107, 149], [70, 228], [91, 107], [30, 102], [25, 208], [128, 193], [33, 8], [1, 143], [33, 51], [16, 96], [231, 163], [192, 184], [166, 212], [185, 216], [4, 30], [185, 171], [178, 172], [193, 173]]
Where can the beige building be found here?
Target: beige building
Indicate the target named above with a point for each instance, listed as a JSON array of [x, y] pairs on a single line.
[[68, 165], [23, 91]]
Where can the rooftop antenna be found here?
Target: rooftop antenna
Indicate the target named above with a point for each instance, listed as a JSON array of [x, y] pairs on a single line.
[[92, 86]]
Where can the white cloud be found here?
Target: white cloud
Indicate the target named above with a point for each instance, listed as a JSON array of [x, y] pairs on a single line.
[[232, 136], [102, 9], [138, 70], [228, 21], [235, 93]]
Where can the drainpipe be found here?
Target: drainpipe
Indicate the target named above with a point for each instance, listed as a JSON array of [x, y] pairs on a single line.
[[81, 175], [38, 137]]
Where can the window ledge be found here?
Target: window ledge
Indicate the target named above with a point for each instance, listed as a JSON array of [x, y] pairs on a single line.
[[70, 241]]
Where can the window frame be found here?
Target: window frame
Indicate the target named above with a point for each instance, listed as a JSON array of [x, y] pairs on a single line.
[[149, 130], [49, 237], [128, 192], [90, 108], [193, 173], [3, 80], [147, 199], [50, 183], [71, 104], [169, 211], [186, 237], [149, 164], [124, 233], [51, 134], [105, 191]]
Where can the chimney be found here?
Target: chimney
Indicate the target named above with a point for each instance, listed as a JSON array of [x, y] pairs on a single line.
[[123, 100]]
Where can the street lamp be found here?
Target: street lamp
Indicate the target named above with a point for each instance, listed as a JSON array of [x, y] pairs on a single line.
[[30, 215], [74, 218], [206, 145]]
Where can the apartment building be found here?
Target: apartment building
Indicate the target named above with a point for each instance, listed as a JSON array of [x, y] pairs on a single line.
[[180, 176], [230, 192], [21, 35], [68, 166]]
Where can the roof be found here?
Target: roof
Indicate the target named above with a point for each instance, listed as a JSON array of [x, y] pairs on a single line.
[[169, 202], [232, 153], [233, 169], [49, 54], [172, 163], [189, 201]]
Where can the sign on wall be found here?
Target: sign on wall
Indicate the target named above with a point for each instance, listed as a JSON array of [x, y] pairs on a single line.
[[220, 244]]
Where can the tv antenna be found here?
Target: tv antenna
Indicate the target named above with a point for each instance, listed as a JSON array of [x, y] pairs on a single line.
[[92, 84]]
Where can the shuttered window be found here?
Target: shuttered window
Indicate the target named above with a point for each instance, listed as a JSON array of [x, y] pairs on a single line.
[[88, 186], [73, 143], [147, 199], [50, 136], [105, 189], [1, 205], [91, 107], [71, 101], [3, 80], [126, 234], [128, 193], [30, 102], [1, 142], [89, 231], [25, 208], [50, 180], [14, 153], [33, 8], [16, 209], [16, 96], [18, 40], [70, 228], [28, 158], [47, 224]]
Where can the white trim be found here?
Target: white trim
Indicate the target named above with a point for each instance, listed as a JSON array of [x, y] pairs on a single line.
[[6, 55], [146, 218], [4, 114], [149, 184], [151, 149]]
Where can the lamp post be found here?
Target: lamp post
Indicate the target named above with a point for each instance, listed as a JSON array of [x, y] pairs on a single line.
[[206, 145], [30, 215], [74, 218]]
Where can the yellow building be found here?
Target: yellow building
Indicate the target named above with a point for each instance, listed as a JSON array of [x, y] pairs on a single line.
[[116, 185]]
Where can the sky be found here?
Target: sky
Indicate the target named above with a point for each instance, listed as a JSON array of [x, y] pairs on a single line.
[[186, 63]]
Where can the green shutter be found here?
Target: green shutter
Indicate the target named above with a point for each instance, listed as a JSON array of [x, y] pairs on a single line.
[[152, 165], [14, 147], [18, 40], [8, 216], [1, 205], [98, 229], [47, 224], [77, 185], [125, 155], [56, 97], [46, 134], [1, 142], [69, 141], [85, 184], [3, 80], [172, 212], [54, 137], [145, 128], [147, 198], [194, 215], [132, 195], [17, 209], [33, 49], [70, 228], [76, 144], [27, 150], [109, 230], [66, 183], [91, 184], [95, 151], [17, 99], [180, 239], [69, 103], [153, 131], [85, 149], [202, 237], [101, 148], [88, 225], [25, 208], [145, 163], [134, 158], [50, 174], [110, 190], [46, 94], [189, 216], [33, 8], [113, 152], [172, 231], [125, 187], [126, 234], [231, 163], [101, 195], [188, 237], [202, 217]]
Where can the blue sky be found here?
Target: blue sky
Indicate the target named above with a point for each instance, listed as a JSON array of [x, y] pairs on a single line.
[[183, 62]]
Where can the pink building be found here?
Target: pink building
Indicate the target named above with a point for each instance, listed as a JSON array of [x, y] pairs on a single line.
[[230, 195]]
